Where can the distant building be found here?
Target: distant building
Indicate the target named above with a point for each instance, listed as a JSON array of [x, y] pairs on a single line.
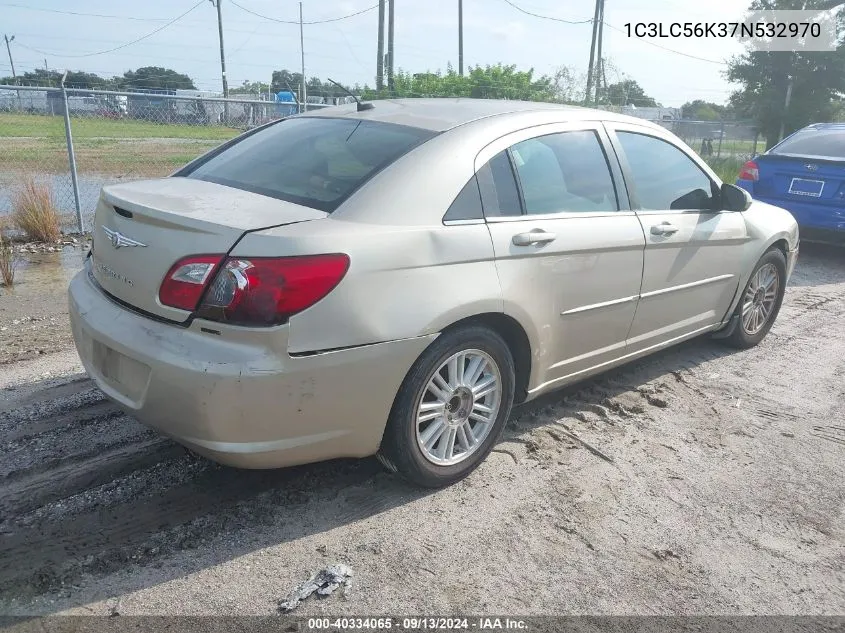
[[653, 114]]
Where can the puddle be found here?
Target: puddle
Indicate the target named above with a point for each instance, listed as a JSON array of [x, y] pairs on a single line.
[[45, 273]]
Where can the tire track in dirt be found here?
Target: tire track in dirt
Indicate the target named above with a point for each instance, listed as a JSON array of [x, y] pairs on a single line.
[[86, 489]]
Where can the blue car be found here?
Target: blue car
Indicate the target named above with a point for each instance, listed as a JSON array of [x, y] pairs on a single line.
[[804, 174]]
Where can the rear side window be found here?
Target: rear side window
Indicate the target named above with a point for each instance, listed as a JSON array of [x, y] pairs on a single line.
[[820, 143], [499, 193], [564, 172], [467, 206], [316, 162], [665, 178]]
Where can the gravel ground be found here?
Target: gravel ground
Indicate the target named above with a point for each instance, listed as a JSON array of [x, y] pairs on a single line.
[[725, 495]]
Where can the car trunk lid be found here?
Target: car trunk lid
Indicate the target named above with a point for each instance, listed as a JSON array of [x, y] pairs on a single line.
[[803, 179], [142, 228]]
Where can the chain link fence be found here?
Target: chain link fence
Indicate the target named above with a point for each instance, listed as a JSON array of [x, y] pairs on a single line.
[[718, 139], [32, 133], [122, 136], [116, 136]]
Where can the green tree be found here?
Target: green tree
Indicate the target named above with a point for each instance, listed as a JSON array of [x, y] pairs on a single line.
[[700, 110], [154, 78], [627, 92], [251, 88], [53, 78], [817, 78], [281, 79], [488, 82]]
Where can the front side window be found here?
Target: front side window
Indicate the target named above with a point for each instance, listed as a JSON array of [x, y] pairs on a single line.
[[313, 161], [664, 177], [564, 172]]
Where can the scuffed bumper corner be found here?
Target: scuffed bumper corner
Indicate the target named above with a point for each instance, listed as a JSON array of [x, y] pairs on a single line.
[[238, 397]]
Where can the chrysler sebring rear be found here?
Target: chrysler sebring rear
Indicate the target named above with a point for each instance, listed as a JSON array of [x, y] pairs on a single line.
[[391, 281]]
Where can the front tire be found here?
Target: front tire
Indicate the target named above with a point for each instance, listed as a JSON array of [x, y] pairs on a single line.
[[760, 302], [451, 408]]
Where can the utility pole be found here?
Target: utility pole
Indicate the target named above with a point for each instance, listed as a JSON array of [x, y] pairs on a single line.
[[785, 108], [45, 65], [589, 91], [390, 22], [380, 61], [12, 64], [461, 37], [222, 59], [9, 50], [302, 51], [598, 50]]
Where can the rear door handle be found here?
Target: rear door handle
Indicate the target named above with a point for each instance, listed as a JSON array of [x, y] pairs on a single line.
[[537, 236], [664, 228]]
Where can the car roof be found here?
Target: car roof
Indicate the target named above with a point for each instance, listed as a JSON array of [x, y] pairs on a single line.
[[441, 114], [825, 126]]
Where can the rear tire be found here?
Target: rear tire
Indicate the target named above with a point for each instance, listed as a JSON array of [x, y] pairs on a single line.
[[760, 301], [451, 408]]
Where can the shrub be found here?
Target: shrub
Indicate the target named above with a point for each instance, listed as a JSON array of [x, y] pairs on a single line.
[[34, 214]]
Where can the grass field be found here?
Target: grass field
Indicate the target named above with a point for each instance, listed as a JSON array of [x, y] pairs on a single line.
[[35, 144], [84, 127], [126, 148], [727, 169]]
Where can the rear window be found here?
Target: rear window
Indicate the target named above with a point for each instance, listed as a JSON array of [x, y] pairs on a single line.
[[316, 162], [821, 143]]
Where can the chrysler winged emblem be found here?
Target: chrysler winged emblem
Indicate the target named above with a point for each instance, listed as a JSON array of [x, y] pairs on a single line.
[[119, 240], [811, 167]]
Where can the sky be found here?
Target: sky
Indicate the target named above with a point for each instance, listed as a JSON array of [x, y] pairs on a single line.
[[426, 39]]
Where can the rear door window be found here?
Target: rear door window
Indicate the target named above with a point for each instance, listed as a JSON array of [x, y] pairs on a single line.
[[313, 161], [499, 193]]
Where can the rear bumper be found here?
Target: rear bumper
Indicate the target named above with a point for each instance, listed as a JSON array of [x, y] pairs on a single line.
[[237, 402]]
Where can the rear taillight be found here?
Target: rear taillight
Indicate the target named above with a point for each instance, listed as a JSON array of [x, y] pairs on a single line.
[[184, 283], [267, 291], [749, 171]]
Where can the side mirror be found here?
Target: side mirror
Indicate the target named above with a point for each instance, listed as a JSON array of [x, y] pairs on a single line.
[[734, 198]]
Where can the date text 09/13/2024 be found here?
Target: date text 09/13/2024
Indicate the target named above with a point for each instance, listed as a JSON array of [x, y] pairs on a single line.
[[417, 624]]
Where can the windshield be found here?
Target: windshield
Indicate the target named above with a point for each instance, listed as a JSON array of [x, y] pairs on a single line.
[[317, 162], [814, 142]]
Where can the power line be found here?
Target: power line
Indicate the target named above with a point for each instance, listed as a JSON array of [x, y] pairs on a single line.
[[111, 50], [88, 15], [671, 50], [267, 17], [545, 17]]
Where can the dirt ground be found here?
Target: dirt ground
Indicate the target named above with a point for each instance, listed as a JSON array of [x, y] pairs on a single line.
[[725, 495], [33, 313]]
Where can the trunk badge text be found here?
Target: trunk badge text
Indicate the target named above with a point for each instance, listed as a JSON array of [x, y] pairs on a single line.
[[119, 240], [114, 275]]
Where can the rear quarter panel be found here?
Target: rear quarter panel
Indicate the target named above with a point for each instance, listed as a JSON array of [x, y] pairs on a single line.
[[402, 281]]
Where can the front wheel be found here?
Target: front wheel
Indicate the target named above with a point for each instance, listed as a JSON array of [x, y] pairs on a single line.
[[451, 408], [761, 300]]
